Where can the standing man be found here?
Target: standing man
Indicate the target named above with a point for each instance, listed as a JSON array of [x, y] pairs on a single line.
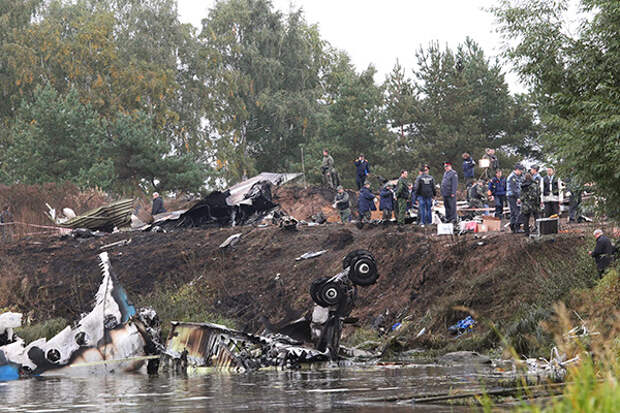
[[449, 184], [574, 187], [497, 190], [603, 253], [341, 203], [468, 169], [551, 193], [530, 202], [536, 176], [386, 202], [158, 204], [366, 203], [424, 190], [362, 169], [327, 169], [402, 195], [513, 192], [493, 163]]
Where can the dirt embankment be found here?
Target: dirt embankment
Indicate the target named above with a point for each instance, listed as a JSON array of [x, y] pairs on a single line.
[[422, 275]]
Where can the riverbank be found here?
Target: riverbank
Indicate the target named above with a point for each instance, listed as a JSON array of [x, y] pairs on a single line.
[[508, 283]]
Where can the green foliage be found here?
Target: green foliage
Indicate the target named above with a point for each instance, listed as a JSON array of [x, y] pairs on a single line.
[[574, 81], [46, 329]]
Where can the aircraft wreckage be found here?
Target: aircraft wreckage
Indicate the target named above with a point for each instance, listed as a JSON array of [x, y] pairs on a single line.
[[116, 337]]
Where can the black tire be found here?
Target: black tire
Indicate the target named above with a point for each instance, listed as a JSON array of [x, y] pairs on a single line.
[[363, 271], [314, 291], [346, 262], [330, 293]]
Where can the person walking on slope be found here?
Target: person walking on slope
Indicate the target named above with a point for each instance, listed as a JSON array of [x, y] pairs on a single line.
[[513, 192], [328, 171], [530, 202], [449, 184], [362, 169], [342, 204], [402, 195], [424, 190], [497, 190], [468, 169], [603, 253], [158, 205], [551, 193], [366, 203], [386, 202]]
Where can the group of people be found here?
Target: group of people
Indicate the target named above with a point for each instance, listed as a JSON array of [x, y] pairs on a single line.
[[527, 194]]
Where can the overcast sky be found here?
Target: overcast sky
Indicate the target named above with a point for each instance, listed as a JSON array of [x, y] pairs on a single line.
[[379, 32]]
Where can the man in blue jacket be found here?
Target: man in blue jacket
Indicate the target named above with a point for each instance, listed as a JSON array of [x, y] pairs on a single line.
[[366, 202], [386, 202], [362, 169], [449, 184], [513, 192], [497, 189], [468, 169]]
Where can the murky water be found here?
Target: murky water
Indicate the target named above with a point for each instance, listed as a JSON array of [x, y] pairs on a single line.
[[350, 389]]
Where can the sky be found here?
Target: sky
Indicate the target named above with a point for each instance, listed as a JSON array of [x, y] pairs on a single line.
[[379, 32]]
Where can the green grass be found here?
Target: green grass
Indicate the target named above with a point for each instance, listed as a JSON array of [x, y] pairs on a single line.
[[45, 329]]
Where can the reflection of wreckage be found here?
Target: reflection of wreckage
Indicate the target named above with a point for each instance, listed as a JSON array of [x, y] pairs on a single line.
[[115, 337], [244, 203], [112, 337]]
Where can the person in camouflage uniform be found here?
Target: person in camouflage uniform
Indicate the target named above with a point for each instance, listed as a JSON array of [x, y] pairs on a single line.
[[477, 196], [328, 170], [530, 202], [342, 204], [402, 196]]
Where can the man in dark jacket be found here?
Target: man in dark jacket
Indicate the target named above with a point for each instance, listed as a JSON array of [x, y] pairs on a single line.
[[402, 195], [530, 202], [366, 202], [603, 253], [513, 192], [468, 169], [424, 189], [386, 202], [362, 169], [158, 204], [497, 189], [449, 184]]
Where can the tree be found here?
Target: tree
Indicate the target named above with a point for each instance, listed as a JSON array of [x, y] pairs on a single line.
[[575, 82], [464, 106]]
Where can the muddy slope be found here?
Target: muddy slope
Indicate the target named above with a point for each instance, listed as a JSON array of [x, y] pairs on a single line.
[[259, 277]]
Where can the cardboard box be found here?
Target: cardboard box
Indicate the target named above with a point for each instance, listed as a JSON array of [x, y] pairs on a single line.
[[445, 229], [482, 228], [492, 223]]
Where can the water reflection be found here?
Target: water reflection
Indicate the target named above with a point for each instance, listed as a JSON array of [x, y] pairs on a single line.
[[348, 389]]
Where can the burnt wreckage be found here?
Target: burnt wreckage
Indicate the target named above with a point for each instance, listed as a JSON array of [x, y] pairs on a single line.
[[113, 337], [202, 347], [116, 337], [244, 203]]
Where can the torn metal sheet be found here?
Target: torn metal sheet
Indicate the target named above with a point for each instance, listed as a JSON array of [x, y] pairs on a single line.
[[108, 339], [201, 347], [309, 255], [231, 241], [105, 218], [244, 203]]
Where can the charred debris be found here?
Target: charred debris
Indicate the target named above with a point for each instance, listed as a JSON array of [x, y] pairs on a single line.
[[116, 337]]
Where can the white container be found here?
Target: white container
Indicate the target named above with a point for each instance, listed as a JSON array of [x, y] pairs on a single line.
[[484, 163], [445, 229]]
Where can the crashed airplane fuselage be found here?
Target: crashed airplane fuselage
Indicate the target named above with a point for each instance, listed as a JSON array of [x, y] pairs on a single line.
[[113, 337]]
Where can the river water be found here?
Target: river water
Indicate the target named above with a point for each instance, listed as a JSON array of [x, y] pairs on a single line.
[[345, 389]]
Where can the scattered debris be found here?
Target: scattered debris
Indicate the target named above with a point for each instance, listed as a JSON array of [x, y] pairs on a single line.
[[445, 229], [284, 221], [231, 241], [554, 368], [576, 332], [120, 243], [463, 326], [9, 321], [84, 233], [309, 255], [421, 333]]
